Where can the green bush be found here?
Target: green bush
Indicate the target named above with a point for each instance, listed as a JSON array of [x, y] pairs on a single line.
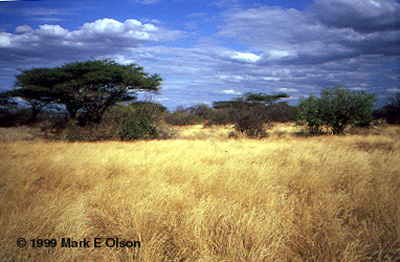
[[139, 128], [337, 109], [121, 122], [309, 112]]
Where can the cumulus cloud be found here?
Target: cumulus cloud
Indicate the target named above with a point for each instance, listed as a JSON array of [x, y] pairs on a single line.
[[102, 37]]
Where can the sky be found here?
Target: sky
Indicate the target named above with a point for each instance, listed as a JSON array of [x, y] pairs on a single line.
[[213, 50]]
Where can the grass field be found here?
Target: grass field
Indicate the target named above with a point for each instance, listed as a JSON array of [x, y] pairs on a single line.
[[204, 197]]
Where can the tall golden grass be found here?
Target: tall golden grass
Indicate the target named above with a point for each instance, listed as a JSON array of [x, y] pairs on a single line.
[[283, 198]]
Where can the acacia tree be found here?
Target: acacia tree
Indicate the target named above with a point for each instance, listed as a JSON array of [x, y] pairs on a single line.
[[34, 86], [250, 111], [90, 87], [266, 100]]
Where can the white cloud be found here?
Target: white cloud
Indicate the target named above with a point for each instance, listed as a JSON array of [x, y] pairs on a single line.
[[230, 92], [102, 37], [245, 57], [147, 2]]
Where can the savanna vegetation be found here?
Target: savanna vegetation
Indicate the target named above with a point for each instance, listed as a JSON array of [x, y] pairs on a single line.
[[250, 179], [204, 197]]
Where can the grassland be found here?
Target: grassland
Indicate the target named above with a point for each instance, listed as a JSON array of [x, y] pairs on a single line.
[[204, 197]]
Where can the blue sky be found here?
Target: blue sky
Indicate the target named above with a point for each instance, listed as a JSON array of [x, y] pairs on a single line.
[[213, 50]]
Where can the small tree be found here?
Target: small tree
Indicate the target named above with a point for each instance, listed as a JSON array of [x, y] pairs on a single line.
[[250, 111], [309, 111], [341, 108], [337, 108]]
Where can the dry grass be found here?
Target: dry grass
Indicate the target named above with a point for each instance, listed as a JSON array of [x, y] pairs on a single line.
[[17, 133], [284, 198]]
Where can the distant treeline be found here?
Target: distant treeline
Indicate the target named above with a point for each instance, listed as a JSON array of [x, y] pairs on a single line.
[[96, 100]]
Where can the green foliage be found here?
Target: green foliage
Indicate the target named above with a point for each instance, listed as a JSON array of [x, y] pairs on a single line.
[[250, 111], [337, 108], [142, 122], [341, 108], [36, 97], [251, 99], [138, 128], [309, 111], [89, 87], [261, 98], [139, 120]]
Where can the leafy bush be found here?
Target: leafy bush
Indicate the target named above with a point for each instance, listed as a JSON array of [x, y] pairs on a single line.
[[337, 108], [122, 122], [139, 128], [309, 111]]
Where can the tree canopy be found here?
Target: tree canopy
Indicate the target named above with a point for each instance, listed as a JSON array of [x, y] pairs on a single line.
[[251, 99], [90, 87], [337, 108]]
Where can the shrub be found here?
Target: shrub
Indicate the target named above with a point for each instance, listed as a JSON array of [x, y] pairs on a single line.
[[250, 121], [281, 112], [122, 122], [341, 108], [203, 111], [139, 128], [309, 112], [337, 108], [220, 117], [181, 117]]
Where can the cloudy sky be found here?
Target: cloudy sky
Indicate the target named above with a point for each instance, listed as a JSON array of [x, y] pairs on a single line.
[[212, 50]]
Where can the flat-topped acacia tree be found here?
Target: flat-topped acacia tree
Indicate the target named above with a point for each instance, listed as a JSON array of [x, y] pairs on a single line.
[[89, 87]]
